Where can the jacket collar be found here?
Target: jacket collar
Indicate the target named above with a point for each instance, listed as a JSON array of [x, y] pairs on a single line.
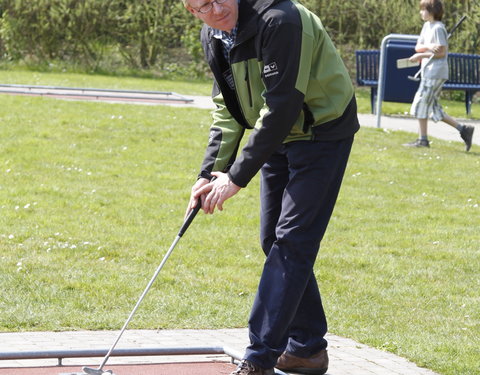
[[248, 13]]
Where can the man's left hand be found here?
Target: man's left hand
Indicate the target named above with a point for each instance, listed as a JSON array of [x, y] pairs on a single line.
[[216, 192]]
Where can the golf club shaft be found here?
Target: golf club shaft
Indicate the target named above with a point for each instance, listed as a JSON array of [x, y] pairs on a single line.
[[456, 25], [182, 230], [167, 255]]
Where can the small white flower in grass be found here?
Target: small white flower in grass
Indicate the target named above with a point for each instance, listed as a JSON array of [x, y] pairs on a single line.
[[27, 206], [11, 236], [124, 148], [16, 208], [8, 170], [73, 246], [424, 194], [19, 264], [102, 259]]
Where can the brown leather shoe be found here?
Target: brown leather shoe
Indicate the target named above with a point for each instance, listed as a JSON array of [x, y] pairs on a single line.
[[248, 368], [317, 364]]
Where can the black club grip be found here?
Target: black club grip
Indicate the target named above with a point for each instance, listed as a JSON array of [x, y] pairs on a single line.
[[192, 213], [190, 218]]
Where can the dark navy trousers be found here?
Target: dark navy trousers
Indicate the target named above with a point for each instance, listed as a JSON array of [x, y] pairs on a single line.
[[299, 187]]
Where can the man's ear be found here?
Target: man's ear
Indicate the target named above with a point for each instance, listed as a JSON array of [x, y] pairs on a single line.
[[191, 10]]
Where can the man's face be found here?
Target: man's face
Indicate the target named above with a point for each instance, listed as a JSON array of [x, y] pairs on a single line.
[[222, 16]]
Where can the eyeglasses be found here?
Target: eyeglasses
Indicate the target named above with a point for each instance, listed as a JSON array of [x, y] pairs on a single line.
[[209, 6]]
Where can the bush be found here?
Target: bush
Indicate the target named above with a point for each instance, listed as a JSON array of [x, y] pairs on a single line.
[[87, 31], [55, 29], [364, 23], [142, 34]]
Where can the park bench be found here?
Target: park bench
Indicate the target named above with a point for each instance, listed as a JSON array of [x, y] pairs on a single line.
[[464, 74]]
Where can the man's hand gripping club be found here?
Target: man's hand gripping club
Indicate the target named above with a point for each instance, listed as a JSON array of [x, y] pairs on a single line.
[[212, 193]]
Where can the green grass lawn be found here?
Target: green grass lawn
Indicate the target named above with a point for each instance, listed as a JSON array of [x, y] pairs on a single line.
[[93, 194]]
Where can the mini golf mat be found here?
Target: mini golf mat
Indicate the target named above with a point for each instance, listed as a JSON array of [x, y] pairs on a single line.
[[181, 368]]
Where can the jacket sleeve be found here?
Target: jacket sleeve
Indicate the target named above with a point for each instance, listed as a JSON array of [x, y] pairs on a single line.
[[224, 139], [281, 46]]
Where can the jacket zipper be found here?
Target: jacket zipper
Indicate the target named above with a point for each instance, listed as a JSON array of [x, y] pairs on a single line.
[[250, 100], [236, 91]]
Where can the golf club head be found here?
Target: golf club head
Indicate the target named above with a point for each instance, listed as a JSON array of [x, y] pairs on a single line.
[[411, 78], [93, 371]]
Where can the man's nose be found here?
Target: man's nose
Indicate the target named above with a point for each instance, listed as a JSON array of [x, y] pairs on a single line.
[[217, 8]]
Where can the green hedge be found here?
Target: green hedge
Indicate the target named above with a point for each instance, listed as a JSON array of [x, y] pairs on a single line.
[[364, 23], [160, 33], [89, 31]]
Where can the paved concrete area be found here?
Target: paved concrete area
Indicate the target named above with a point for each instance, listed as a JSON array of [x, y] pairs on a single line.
[[347, 357], [183, 368], [438, 130]]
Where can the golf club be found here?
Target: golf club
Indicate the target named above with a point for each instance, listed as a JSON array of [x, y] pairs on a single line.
[[416, 77], [186, 224]]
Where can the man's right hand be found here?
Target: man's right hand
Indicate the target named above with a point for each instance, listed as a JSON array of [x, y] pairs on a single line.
[[201, 182]]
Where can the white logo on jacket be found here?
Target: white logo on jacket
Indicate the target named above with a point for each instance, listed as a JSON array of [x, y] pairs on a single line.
[[270, 69]]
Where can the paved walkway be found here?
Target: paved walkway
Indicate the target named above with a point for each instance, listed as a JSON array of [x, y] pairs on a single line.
[[347, 357], [438, 130], [408, 124]]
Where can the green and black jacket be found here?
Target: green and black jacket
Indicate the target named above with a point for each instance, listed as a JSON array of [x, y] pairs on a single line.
[[285, 80]]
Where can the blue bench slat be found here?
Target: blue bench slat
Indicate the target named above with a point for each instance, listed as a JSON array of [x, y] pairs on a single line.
[[460, 86]]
